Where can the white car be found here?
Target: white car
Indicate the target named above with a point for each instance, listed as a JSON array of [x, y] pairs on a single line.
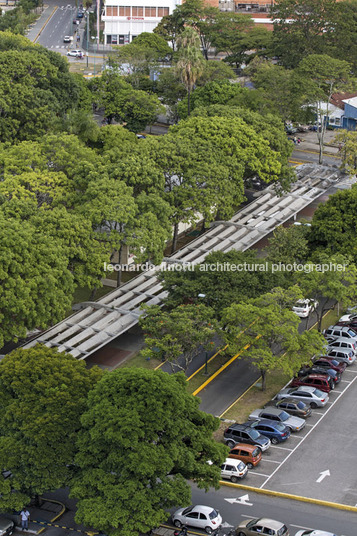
[[75, 53], [68, 39], [233, 469], [304, 307], [309, 532], [306, 393], [202, 517]]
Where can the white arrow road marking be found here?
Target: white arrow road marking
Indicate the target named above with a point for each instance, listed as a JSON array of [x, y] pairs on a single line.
[[241, 500], [323, 474]]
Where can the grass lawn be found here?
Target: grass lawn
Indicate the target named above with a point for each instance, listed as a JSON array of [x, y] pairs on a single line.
[[141, 362]]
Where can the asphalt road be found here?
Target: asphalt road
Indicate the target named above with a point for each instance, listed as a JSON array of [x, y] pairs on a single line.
[[295, 514], [60, 24]]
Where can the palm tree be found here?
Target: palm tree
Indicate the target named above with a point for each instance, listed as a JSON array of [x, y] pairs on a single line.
[[190, 61]]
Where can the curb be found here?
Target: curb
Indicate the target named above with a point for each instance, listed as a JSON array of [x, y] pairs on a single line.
[[63, 509], [45, 23], [299, 498]]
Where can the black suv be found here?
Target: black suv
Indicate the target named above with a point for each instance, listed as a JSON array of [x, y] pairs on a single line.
[[242, 433]]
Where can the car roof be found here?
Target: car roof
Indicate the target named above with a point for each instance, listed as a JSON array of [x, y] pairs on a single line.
[[202, 508], [314, 376], [288, 400], [238, 426], [271, 523], [272, 410], [243, 446], [305, 388], [233, 461], [267, 422]]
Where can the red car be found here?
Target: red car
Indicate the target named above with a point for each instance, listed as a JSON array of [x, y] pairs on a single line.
[[323, 383], [330, 362]]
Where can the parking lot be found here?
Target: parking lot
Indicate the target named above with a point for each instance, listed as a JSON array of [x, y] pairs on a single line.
[[319, 461]]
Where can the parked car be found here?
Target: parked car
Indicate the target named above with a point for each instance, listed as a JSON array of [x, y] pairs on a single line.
[[340, 331], [68, 39], [7, 526], [234, 470], [249, 454], [315, 397], [242, 433], [294, 407], [315, 369], [304, 307], [265, 526], [348, 344], [340, 354], [278, 415], [203, 517], [275, 431], [312, 532], [80, 15], [329, 362], [322, 382], [289, 129]]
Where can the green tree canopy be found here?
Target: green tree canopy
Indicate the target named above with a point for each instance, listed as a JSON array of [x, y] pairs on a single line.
[[289, 244], [268, 333], [178, 335], [43, 394], [221, 287], [142, 437]]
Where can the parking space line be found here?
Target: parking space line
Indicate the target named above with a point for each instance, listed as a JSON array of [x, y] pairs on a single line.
[[339, 392], [308, 433], [258, 474], [318, 413], [276, 447], [271, 461], [345, 381]]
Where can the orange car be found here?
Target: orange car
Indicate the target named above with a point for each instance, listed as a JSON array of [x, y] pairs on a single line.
[[249, 454]]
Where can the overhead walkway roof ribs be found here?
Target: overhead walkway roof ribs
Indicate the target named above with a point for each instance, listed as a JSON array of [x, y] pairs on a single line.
[[96, 324]]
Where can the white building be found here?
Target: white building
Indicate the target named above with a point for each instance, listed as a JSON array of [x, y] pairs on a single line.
[[126, 19]]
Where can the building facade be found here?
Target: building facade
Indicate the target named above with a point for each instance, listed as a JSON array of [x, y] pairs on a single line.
[[126, 19]]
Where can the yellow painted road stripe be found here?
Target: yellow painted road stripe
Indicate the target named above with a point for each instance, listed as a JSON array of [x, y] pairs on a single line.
[[223, 367], [209, 360], [45, 23]]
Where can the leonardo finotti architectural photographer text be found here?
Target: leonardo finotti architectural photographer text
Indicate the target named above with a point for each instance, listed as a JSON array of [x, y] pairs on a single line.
[[225, 267]]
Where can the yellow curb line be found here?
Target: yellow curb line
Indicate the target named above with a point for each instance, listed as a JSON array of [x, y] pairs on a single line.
[[210, 359], [45, 24], [310, 500], [56, 516], [223, 367]]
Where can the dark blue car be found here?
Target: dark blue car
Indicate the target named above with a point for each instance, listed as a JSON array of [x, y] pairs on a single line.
[[275, 431]]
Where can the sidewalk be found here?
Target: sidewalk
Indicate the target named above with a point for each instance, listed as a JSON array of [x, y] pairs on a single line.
[[48, 512], [310, 142]]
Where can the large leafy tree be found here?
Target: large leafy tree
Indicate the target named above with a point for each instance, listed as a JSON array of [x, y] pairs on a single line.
[[178, 335], [269, 335], [204, 161], [334, 279], [142, 436], [43, 394], [289, 244], [218, 288], [302, 28], [36, 89], [36, 286], [328, 75]]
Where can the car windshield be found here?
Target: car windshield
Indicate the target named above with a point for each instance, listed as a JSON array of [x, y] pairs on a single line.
[[187, 510], [241, 466], [301, 405], [254, 434], [252, 523], [334, 362], [300, 305], [351, 332], [284, 416], [318, 393], [283, 530], [213, 514]]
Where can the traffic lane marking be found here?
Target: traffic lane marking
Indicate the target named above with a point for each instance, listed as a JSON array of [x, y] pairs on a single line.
[[309, 432]]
